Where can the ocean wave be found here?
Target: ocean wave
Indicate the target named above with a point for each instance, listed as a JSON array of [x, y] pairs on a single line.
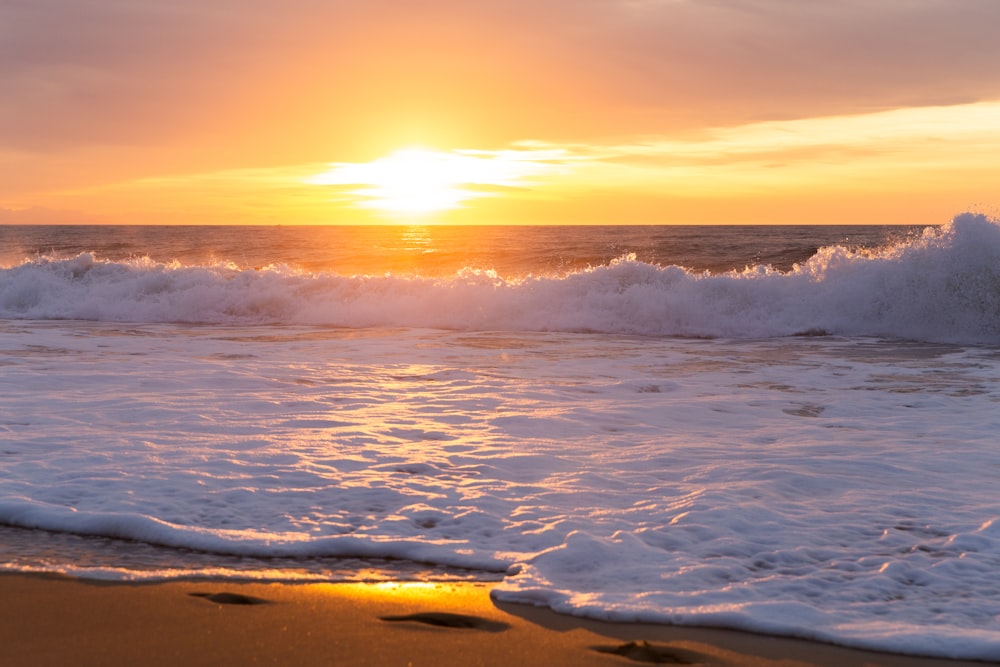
[[943, 286], [144, 529]]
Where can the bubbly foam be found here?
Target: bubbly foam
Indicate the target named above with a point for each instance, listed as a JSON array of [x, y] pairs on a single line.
[[831, 488]]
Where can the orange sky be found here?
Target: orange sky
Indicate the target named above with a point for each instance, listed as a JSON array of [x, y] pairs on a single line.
[[549, 111]]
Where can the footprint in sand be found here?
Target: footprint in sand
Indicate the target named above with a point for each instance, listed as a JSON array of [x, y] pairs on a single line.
[[230, 598], [446, 620], [646, 652]]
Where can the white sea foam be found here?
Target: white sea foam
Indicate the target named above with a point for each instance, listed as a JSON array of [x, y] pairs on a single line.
[[944, 286], [832, 488]]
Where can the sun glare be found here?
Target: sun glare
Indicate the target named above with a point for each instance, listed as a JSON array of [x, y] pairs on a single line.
[[422, 181]]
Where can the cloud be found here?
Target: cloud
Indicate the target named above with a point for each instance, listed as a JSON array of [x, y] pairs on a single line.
[[98, 72], [929, 148], [729, 61], [188, 85]]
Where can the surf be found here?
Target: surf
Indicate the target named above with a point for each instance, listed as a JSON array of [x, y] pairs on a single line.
[[941, 286]]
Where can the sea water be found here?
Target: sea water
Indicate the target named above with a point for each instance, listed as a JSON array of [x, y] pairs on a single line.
[[788, 430]]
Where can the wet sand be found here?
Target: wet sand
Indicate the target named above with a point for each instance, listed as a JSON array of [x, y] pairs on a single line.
[[50, 620]]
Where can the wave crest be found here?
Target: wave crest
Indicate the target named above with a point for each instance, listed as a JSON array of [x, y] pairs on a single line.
[[942, 286]]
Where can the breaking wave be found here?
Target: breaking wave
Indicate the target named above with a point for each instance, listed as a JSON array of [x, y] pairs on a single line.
[[943, 286]]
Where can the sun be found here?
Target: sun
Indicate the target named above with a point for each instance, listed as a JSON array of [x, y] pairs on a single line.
[[415, 180], [418, 181]]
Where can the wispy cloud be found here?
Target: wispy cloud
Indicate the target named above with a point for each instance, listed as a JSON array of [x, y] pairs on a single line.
[[881, 147]]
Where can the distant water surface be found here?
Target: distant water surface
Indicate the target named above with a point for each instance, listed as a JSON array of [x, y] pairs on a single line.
[[512, 251]]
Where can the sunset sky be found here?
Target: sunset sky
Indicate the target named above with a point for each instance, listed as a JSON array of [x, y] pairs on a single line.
[[498, 111]]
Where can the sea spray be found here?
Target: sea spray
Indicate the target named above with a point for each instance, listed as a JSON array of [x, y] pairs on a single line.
[[942, 286]]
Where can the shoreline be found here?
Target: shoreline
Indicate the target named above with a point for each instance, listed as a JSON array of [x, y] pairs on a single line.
[[58, 620]]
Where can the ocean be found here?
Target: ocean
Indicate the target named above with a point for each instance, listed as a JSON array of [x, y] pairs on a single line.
[[785, 430]]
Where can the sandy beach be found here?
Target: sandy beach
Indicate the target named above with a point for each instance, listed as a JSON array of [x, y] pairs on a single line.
[[49, 620]]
